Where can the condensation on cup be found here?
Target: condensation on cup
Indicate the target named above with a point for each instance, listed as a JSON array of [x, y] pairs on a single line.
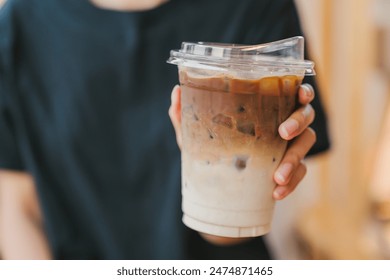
[[233, 99]]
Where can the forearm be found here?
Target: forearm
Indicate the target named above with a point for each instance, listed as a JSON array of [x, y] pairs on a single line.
[[21, 238], [21, 232]]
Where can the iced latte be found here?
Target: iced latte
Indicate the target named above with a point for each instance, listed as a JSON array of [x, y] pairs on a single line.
[[231, 146]]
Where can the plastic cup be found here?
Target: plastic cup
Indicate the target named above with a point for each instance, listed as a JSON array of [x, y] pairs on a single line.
[[233, 99]]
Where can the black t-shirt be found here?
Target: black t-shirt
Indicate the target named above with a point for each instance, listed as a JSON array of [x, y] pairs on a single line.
[[84, 95]]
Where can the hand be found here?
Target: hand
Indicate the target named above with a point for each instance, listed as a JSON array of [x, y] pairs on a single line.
[[296, 129], [292, 169]]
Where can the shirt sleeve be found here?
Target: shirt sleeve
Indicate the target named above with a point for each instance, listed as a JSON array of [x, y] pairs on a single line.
[[9, 153]]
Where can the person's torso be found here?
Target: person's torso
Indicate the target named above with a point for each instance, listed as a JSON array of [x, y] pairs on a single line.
[[92, 90]]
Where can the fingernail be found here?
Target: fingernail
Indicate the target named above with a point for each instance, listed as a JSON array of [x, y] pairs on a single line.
[[283, 172], [288, 128], [279, 192], [308, 91]]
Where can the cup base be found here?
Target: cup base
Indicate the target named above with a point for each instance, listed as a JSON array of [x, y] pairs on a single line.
[[225, 231]]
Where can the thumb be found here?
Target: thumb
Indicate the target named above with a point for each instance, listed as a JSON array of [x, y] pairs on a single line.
[[174, 112]]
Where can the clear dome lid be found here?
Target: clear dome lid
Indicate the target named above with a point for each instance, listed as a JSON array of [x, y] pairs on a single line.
[[280, 56]]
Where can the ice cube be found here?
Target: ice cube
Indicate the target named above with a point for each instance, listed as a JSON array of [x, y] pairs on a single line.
[[196, 118], [240, 162], [290, 85], [211, 133], [241, 109], [224, 120], [269, 86], [246, 127]]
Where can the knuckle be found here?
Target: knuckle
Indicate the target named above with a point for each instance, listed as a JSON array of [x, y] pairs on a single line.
[[312, 134], [295, 158], [307, 113], [313, 114], [301, 118], [304, 168]]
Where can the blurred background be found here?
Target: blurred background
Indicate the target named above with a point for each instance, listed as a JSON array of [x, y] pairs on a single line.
[[342, 208]]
